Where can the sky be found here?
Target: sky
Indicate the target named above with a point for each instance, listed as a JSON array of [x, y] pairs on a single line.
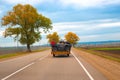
[[91, 20]]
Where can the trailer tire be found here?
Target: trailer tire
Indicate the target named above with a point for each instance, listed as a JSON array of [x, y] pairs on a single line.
[[68, 55], [53, 55]]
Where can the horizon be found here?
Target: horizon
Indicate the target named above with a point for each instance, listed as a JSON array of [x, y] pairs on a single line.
[[92, 21], [79, 43]]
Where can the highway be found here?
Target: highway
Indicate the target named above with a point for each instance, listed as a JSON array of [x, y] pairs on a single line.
[[42, 66]]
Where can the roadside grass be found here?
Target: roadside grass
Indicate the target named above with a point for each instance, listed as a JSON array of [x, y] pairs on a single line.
[[11, 55], [101, 55], [107, 49]]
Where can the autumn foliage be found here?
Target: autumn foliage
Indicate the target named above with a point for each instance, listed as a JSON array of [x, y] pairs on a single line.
[[72, 38], [53, 37], [69, 37], [24, 22]]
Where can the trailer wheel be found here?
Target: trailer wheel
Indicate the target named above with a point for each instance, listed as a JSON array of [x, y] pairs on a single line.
[[68, 55], [53, 55]]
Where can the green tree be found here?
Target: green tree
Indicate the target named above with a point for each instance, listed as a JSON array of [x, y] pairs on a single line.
[[72, 38], [24, 22], [53, 37]]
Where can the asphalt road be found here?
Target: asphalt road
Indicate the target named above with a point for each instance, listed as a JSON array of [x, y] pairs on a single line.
[[42, 66]]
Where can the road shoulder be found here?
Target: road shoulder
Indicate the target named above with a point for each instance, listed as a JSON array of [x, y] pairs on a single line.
[[109, 68]]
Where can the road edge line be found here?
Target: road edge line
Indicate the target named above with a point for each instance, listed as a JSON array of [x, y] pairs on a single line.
[[21, 69], [91, 78], [17, 71]]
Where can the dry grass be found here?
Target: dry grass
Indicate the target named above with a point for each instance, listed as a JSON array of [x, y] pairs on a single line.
[[104, 54], [20, 53]]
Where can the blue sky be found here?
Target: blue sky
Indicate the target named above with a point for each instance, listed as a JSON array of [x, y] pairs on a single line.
[[91, 20]]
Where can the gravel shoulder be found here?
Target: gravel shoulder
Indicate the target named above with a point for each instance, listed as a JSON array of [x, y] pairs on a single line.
[[109, 68]]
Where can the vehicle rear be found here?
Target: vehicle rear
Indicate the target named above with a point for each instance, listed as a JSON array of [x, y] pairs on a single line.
[[61, 49]]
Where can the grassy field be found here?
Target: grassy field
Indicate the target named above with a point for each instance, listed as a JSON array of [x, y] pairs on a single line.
[[109, 53], [8, 50], [105, 49], [11, 55]]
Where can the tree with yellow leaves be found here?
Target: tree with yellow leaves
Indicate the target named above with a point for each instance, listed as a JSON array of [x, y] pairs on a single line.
[[24, 22], [72, 38], [53, 37]]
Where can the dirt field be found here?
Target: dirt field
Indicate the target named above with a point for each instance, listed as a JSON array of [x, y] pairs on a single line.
[[113, 53]]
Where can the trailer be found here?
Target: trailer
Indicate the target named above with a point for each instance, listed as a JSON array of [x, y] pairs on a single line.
[[62, 48]]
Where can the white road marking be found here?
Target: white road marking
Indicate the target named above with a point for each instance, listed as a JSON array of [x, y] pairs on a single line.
[[21, 69], [91, 78], [17, 71]]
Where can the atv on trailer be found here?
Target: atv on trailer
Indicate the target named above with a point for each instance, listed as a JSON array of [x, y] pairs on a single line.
[[62, 48]]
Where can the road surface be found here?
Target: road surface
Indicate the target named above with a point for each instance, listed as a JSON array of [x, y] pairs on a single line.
[[42, 66]]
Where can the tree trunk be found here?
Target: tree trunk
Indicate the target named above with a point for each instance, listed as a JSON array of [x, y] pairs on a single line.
[[28, 48], [73, 45]]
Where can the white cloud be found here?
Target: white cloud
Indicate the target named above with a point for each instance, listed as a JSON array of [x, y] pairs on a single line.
[[0, 11], [1, 33], [100, 37], [75, 3], [33, 2], [85, 26], [110, 24], [89, 3]]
